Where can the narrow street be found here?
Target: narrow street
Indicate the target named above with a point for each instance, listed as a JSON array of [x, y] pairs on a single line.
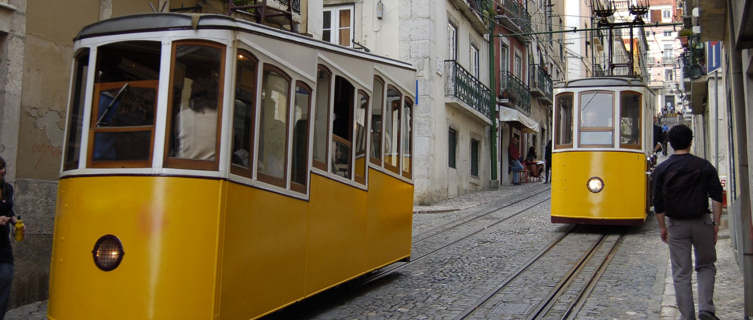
[[503, 259]]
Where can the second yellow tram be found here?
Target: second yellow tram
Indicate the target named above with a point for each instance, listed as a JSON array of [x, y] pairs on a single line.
[[602, 140]]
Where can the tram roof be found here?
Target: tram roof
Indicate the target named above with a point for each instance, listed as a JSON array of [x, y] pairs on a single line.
[[152, 22], [605, 82]]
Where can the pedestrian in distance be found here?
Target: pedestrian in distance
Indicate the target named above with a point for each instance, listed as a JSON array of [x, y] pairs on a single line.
[[514, 154], [548, 160], [682, 185], [7, 217], [664, 138]]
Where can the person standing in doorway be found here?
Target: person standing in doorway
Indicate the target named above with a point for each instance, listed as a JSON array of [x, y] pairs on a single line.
[[683, 184], [7, 217], [513, 152], [548, 160]]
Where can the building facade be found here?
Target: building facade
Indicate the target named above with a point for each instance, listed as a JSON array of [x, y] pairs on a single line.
[[445, 41], [716, 65]]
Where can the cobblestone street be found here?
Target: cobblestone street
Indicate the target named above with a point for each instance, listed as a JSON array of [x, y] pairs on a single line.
[[467, 253]]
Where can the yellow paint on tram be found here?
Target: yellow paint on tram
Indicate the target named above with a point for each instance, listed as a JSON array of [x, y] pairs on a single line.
[[200, 248], [624, 193]]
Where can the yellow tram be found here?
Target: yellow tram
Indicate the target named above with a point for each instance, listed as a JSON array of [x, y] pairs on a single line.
[[602, 140], [220, 169]]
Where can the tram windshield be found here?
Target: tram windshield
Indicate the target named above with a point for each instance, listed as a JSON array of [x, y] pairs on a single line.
[[125, 100], [596, 114]]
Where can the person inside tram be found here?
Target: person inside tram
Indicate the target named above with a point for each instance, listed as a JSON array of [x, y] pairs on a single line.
[[196, 130]]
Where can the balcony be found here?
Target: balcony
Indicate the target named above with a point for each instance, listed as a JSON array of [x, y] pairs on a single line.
[[276, 12], [541, 83], [514, 16], [474, 11], [463, 87], [516, 93]]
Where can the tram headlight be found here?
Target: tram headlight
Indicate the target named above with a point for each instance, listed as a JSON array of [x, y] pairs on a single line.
[[108, 252], [595, 184]]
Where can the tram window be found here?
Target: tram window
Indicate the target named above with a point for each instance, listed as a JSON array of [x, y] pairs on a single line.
[[391, 130], [124, 104], [300, 137], [273, 130], [243, 114], [342, 140], [376, 122], [407, 137], [360, 119], [630, 120], [194, 107], [596, 119], [321, 116], [76, 113], [564, 121]]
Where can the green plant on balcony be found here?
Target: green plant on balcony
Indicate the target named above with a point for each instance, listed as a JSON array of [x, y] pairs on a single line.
[[683, 35]]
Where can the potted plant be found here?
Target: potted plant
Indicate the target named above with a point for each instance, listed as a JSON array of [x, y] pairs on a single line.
[[684, 34]]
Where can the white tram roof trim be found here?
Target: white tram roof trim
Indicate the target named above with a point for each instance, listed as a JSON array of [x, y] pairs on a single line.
[[178, 21], [604, 82]]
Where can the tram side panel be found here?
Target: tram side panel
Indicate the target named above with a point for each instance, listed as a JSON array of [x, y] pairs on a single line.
[[336, 236], [263, 252], [390, 219], [168, 228], [622, 200]]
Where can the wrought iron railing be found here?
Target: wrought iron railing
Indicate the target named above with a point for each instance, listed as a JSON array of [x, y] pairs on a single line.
[[516, 91], [541, 81], [694, 59], [479, 6], [467, 88], [294, 4], [518, 14]]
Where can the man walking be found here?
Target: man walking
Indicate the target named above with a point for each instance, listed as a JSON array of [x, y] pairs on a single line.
[[548, 160], [682, 185]]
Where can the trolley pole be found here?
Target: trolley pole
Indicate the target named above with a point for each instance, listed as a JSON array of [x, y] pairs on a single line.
[[493, 94]]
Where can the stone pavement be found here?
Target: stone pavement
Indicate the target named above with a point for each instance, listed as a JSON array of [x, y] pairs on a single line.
[[474, 199], [728, 289]]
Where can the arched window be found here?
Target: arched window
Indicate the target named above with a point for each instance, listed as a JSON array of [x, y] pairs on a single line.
[[273, 126], [244, 113], [195, 105]]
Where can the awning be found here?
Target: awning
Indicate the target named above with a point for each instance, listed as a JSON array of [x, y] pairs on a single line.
[[509, 114]]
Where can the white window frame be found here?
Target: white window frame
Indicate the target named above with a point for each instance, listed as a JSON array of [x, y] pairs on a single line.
[[334, 29], [518, 65], [452, 37], [666, 14], [475, 61], [669, 74]]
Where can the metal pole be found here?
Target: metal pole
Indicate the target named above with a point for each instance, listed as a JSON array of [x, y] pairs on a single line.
[[575, 29], [493, 94]]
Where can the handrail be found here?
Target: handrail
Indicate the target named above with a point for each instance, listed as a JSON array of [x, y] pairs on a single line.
[[516, 90], [466, 87], [518, 11]]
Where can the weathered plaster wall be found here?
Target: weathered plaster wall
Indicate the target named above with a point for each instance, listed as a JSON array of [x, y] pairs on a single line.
[[43, 78], [11, 72]]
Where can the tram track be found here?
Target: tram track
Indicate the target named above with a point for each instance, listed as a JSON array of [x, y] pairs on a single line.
[[441, 229], [391, 269], [565, 298]]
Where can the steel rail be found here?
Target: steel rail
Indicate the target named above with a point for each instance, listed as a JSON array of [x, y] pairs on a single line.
[[459, 222], [586, 290], [381, 274], [515, 274]]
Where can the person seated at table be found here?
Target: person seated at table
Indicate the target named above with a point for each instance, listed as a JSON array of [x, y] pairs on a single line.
[[530, 162]]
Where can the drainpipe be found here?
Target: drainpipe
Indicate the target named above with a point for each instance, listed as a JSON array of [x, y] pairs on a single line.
[[738, 97], [716, 117], [493, 93]]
